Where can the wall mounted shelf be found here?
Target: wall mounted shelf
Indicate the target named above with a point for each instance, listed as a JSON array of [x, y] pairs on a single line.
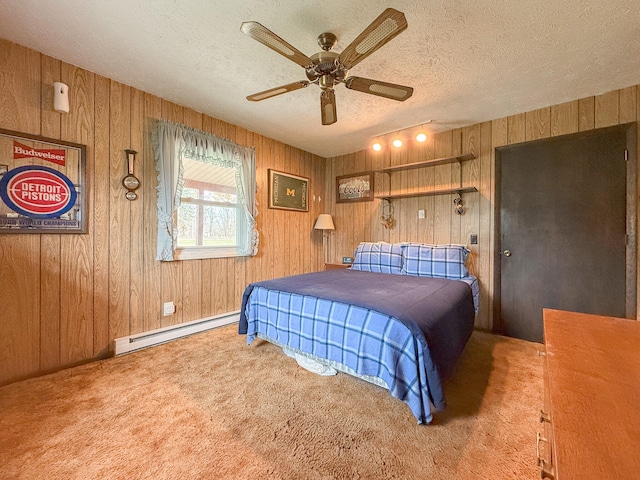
[[428, 163], [448, 191]]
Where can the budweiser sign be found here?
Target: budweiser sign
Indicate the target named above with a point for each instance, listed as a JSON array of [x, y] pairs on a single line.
[[56, 155]]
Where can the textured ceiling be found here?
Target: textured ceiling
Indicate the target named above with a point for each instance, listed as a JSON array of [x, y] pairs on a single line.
[[467, 60]]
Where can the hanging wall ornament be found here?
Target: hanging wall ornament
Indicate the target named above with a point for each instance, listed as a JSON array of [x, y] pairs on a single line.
[[387, 219], [458, 207]]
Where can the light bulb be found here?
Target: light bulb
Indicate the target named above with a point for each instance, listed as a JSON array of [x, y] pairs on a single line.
[[421, 137], [377, 147], [397, 143]]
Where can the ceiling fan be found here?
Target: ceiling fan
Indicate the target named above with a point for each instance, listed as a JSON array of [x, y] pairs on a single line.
[[327, 69]]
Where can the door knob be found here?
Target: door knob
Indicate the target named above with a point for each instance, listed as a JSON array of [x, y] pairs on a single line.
[[507, 253]]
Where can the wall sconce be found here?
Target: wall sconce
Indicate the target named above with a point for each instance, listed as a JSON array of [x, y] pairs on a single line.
[[60, 97], [324, 223]]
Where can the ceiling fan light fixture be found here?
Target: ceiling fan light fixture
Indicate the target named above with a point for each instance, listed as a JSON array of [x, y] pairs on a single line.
[[327, 69], [328, 106]]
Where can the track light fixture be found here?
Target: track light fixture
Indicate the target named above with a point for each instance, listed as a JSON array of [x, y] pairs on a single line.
[[397, 141]]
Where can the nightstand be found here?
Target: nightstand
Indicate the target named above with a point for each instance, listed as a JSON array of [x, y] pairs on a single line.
[[335, 266]]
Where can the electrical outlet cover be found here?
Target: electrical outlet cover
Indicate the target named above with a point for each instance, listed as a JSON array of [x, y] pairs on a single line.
[[169, 308]]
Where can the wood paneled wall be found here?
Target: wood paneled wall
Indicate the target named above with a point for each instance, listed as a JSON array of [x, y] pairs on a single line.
[[359, 222], [66, 297]]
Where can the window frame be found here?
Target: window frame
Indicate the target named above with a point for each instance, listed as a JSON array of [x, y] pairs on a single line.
[[195, 252]]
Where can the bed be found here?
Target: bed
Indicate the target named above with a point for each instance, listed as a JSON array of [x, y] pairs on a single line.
[[400, 317]]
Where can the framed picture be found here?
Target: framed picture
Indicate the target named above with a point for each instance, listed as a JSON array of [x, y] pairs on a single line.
[[356, 187], [288, 192], [42, 185]]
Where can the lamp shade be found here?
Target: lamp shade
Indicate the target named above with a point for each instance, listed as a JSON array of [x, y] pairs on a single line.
[[324, 222]]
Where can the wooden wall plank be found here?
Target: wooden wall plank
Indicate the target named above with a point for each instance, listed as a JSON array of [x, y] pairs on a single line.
[[455, 231], [137, 218], [607, 109], [516, 128], [427, 181], [99, 222], [119, 211], [267, 226], [20, 88], [628, 104], [538, 124], [565, 118], [586, 113], [443, 205], [49, 243], [485, 233], [76, 292], [470, 220], [20, 286]]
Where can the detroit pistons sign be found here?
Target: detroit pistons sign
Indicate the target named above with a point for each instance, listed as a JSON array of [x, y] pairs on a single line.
[[37, 192]]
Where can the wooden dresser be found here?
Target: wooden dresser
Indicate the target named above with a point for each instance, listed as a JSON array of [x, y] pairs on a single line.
[[591, 415]]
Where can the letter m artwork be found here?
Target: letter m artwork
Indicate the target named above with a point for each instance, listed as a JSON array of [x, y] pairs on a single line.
[[288, 191]]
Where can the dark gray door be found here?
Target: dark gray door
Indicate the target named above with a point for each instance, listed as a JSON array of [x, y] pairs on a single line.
[[563, 211]]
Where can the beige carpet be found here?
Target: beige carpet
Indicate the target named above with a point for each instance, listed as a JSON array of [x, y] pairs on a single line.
[[211, 407]]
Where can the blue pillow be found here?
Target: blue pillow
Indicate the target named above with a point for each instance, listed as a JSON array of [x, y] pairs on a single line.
[[378, 257], [439, 261]]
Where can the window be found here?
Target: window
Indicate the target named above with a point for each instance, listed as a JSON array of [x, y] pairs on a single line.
[[210, 214], [208, 186]]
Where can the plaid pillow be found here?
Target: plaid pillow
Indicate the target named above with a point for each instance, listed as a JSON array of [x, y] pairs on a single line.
[[439, 261], [378, 257]]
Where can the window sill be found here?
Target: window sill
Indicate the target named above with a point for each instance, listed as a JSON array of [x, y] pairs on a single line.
[[200, 253]]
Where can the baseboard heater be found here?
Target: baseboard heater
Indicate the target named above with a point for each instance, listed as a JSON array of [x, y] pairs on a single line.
[[162, 335]]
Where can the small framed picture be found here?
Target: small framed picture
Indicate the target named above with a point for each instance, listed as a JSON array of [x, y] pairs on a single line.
[[288, 192], [356, 187]]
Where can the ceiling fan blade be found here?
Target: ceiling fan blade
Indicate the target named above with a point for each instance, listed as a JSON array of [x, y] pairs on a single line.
[[328, 106], [272, 92], [382, 89], [390, 23], [274, 42]]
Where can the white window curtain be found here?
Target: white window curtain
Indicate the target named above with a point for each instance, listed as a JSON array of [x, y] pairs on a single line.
[[173, 142]]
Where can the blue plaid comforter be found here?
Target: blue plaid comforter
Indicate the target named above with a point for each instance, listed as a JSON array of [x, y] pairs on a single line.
[[385, 328]]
